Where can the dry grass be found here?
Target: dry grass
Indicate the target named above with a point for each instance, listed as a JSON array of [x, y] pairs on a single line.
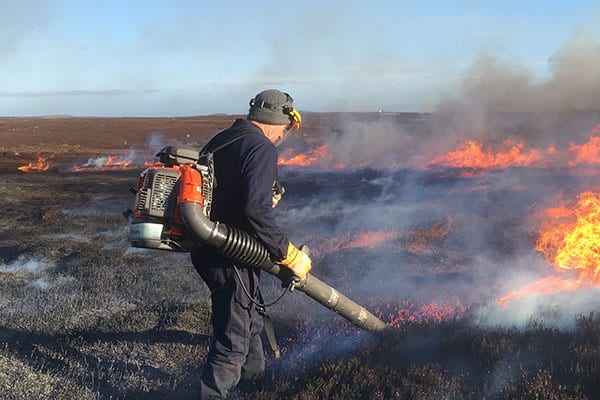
[[82, 316]]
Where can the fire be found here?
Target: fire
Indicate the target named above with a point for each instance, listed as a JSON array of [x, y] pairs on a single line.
[[570, 241], [309, 158], [372, 239], [111, 163], [548, 285], [104, 163], [421, 241], [367, 239], [407, 312], [576, 246], [473, 154], [418, 240], [587, 153], [42, 164]]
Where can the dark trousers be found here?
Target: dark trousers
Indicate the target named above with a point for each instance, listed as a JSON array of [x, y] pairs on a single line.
[[236, 351]]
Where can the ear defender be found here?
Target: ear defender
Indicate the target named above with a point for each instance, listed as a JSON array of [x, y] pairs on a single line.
[[294, 116]]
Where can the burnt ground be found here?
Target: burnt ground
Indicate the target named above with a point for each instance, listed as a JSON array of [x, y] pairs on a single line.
[[83, 315]]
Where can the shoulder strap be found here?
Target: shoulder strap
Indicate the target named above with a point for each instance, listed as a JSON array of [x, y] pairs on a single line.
[[205, 158], [209, 149]]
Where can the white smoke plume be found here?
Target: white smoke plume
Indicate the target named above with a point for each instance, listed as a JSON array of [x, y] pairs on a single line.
[[25, 265], [157, 140]]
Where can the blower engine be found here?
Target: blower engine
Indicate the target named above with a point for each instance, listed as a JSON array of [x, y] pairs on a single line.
[[155, 221], [172, 208]]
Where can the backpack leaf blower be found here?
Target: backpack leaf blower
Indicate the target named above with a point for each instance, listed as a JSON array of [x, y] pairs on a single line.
[[170, 214]]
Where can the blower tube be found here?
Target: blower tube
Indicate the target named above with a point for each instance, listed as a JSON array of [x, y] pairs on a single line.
[[242, 247]]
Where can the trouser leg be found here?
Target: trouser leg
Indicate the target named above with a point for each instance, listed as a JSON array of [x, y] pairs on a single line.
[[254, 366], [236, 350]]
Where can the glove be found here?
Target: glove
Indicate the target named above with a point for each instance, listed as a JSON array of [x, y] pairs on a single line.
[[297, 261]]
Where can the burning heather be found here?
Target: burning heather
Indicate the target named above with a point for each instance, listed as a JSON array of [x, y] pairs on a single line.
[[42, 164], [436, 241], [472, 232], [435, 211], [569, 240], [111, 163], [472, 154], [473, 210]]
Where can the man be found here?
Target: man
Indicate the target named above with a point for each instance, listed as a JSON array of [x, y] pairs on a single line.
[[244, 197]]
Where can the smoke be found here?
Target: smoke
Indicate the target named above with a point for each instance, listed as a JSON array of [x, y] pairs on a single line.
[[41, 284], [560, 310], [25, 265], [157, 140], [499, 99], [488, 249], [496, 101], [575, 80], [30, 267], [437, 240]]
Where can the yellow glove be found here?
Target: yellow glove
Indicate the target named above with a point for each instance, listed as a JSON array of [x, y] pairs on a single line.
[[297, 261]]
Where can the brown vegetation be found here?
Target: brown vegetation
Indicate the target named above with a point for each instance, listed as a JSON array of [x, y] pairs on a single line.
[[83, 316]]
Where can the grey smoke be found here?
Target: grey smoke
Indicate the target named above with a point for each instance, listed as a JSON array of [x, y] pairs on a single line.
[[499, 99], [157, 140], [25, 265]]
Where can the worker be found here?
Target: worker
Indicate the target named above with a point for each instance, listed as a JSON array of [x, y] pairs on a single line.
[[245, 193]]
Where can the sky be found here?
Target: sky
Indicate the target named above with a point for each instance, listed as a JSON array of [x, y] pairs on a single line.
[[184, 57]]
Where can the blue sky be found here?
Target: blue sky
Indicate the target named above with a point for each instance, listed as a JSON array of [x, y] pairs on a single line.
[[171, 58]]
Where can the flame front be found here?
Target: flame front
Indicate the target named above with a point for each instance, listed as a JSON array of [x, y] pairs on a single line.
[[576, 246], [42, 164], [476, 155], [309, 158], [587, 153], [570, 241], [473, 154], [111, 163]]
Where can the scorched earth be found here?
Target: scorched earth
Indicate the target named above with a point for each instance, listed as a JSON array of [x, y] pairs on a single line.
[[481, 252]]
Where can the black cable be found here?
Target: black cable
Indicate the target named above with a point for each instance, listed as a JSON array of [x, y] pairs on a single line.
[[251, 298]]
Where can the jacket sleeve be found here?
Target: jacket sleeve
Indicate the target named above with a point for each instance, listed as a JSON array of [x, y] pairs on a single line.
[[259, 171]]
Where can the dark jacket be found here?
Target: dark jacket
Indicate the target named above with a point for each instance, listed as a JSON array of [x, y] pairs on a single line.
[[244, 174]]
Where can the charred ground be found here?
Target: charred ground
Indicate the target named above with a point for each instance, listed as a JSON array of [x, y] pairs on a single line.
[[84, 316]]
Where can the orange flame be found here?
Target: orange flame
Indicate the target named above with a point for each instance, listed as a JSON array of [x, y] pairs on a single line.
[[111, 163], [42, 164], [311, 157], [473, 154], [576, 246], [548, 285], [587, 153], [421, 241], [570, 241], [407, 312], [372, 239], [368, 239]]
